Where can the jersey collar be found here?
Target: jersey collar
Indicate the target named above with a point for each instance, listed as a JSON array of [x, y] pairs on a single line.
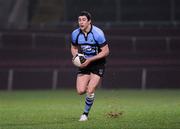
[[89, 30]]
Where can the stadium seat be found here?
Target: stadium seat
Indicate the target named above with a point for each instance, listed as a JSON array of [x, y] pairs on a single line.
[[14, 40]]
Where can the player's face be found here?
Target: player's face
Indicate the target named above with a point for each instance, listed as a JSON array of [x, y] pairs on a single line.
[[83, 22]]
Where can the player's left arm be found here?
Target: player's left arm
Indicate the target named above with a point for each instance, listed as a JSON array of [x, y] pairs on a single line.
[[104, 53]]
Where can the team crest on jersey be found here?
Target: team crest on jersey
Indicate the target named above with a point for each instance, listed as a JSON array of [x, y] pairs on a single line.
[[88, 49]]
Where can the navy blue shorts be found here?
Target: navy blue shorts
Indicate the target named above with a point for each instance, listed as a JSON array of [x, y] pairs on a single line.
[[97, 69]]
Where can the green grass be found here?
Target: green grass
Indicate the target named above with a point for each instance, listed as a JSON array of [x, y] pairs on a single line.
[[61, 109]]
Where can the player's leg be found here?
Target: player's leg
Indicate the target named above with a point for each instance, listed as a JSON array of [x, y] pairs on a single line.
[[97, 72], [82, 83], [92, 85], [81, 86]]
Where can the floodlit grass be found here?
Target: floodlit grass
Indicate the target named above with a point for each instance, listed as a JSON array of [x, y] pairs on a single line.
[[113, 109]]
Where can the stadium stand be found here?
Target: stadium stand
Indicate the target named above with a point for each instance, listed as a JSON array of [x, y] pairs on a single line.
[[154, 50]]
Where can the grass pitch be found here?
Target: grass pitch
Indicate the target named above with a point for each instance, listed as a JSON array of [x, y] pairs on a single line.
[[112, 109]]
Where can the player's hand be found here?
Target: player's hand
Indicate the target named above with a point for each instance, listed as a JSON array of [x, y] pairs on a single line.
[[73, 57], [86, 63]]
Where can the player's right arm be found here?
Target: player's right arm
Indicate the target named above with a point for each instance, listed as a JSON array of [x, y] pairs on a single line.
[[74, 50], [74, 46]]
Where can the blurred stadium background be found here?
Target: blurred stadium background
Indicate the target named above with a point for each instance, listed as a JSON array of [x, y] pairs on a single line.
[[144, 39]]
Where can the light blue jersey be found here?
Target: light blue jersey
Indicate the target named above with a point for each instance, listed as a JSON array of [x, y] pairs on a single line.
[[89, 45]]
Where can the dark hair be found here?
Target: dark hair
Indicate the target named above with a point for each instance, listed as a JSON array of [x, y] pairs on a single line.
[[85, 13]]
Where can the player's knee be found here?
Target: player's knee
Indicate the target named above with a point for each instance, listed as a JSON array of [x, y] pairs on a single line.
[[80, 92]]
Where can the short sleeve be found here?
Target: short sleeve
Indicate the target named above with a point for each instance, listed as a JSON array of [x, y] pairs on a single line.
[[101, 39], [74, 36], [73, 40]]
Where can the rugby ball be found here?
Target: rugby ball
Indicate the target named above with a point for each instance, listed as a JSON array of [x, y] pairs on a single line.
[[79, 59]]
